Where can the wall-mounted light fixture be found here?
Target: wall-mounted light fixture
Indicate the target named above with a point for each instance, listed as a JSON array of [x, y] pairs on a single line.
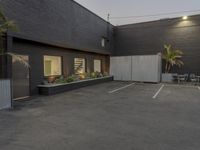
[[185, 17]]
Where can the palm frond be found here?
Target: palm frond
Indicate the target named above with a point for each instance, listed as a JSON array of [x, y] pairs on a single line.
[[179, 63], [15, 57], [172, 57], [5, 24], [8, 25], [18, 58], [2, 16]]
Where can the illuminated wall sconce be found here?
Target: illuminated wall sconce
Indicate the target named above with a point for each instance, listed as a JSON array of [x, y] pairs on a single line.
[[185, 17]]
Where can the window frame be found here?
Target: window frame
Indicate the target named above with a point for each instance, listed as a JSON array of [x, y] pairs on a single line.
[[100, 64], [85, 67], [61, 65]]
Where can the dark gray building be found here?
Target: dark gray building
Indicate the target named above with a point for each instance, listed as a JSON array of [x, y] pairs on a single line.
[[62, 31], [150, 37], [65, 34]]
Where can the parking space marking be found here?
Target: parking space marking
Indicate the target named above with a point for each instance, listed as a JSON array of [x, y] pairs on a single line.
[[199, 87], [178, 85], [121, 88], [154, 97]]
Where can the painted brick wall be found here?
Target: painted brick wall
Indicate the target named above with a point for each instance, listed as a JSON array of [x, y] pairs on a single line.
[[149, 38], [36, 52], [63, 22]]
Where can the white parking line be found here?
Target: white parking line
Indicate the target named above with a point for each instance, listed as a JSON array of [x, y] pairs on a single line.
[[154, 97], [199, 87], [121, 88], [178, 85]]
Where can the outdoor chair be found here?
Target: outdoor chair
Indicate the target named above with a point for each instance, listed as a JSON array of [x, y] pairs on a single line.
[[182, 78], [193, 78], [175, 77], [198, 79]]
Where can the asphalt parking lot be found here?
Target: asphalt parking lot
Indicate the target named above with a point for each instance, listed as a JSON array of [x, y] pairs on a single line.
[[109, 116]]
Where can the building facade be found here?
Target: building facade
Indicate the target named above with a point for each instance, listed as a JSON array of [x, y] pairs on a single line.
[[56, 37], [149, 38]]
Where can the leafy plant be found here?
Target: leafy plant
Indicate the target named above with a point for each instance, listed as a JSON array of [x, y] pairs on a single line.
[[93, 75], [60, 80], [96, 75], [172, 58], [71, 79], [5, 25], [87, 75]]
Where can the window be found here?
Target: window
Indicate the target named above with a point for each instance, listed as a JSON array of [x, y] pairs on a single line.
[[97, 65], [103, 42], [52, 66], [79, 65]]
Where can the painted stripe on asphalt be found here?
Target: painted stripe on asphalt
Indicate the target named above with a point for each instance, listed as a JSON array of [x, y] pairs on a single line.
[[154, 97], [199, 87], [177, 85], [121, 88]]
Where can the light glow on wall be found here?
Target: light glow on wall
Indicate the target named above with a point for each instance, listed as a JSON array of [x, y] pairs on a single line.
[[185, 17]]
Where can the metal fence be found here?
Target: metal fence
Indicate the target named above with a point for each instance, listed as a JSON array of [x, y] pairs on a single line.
[[5, 94], [145, 68]]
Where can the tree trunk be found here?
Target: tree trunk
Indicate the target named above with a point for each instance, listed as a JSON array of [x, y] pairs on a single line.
[[166, 66], [169, 67]]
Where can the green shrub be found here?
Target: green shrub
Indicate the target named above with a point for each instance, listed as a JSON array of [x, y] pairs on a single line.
[[72, 79], [60, 80], [96, 75], [93, 75], [87, 75]]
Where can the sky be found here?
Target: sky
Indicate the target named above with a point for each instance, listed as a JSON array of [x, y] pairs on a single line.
[[124, 8]]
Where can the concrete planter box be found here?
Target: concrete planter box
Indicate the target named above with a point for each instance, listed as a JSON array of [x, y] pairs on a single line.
[[52, 89], [167, 77], [5, 94]]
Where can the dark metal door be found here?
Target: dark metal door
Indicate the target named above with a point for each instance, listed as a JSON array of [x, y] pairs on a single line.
[[20, 74]]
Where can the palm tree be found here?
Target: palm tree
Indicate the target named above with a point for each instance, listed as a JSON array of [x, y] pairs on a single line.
[[172, 58], [5, 25]]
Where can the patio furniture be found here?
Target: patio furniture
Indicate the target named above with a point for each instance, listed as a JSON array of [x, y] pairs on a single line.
[[193, 78], [182, 78], [198, 79], [175, 77]]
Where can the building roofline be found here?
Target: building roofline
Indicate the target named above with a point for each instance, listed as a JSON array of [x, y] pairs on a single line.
[[155, 21], [91, 12], [59, 45]]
